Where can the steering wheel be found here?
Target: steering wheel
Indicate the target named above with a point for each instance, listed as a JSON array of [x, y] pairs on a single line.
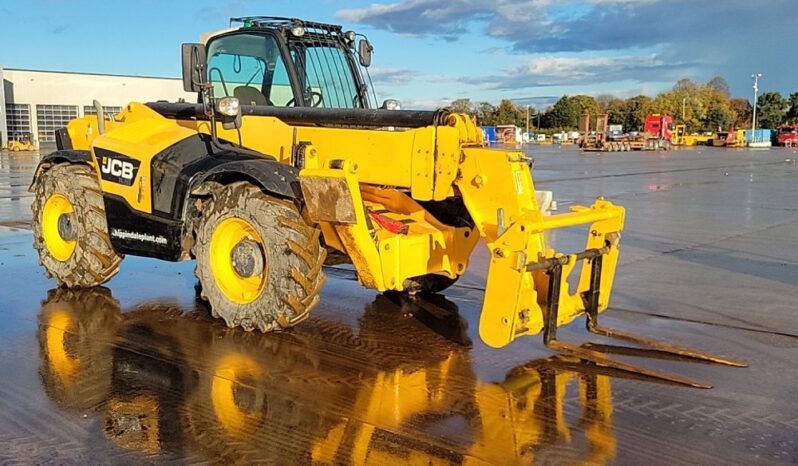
[[292, 102], [316, 94]]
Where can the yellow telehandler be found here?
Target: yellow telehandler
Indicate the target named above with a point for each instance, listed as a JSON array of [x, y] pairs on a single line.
[[285, 164]]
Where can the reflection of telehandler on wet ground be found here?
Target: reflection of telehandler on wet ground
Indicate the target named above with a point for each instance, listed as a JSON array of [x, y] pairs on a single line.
[[176, 386]]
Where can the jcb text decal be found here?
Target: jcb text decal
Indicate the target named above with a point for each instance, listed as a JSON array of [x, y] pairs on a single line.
[[117, 168]]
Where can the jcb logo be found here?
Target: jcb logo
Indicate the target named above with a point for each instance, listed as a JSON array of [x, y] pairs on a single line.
[[117, 167]]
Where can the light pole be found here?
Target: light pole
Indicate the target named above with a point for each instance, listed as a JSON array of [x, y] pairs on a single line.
[[527, 122], [755, 77], [684, 101]]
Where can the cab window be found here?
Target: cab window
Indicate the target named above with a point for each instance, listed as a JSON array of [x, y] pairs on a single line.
[[326, 75], [251, 68]]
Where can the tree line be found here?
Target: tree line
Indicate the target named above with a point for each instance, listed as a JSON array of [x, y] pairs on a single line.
[[700, 106]]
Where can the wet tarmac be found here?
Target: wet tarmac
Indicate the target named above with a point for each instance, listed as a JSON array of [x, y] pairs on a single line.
[[138, 372]]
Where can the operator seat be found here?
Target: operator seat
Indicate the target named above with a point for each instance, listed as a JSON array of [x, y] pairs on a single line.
[[248, 95]]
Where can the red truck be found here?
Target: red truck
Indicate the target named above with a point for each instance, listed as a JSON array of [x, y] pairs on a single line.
[[657, 134], [660, 127], [788, 136]]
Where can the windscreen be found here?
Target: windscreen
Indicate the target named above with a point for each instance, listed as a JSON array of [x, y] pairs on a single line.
[[249, 67]]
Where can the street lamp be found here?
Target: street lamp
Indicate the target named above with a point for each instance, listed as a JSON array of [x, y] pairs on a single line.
[[527, 122], [755, 77], [684, 101]]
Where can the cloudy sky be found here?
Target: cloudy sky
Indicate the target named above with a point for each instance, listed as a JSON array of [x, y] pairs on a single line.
[[428, 52]]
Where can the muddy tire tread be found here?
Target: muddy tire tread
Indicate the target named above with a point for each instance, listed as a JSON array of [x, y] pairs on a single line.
[[94, 261], [294, 259]]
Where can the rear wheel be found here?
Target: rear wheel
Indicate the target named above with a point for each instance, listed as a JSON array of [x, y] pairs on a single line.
[[258, 262], [69, 227]]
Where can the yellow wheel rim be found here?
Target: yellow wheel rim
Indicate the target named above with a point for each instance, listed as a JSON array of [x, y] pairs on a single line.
[[58, 327], [238, 289], [56, 206], [229, 372]]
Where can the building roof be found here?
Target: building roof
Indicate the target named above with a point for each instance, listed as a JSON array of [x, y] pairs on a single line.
[[90, 74]]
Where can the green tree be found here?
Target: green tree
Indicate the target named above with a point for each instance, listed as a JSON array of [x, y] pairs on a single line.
[[637, 108], [686, 86], [718, 118], [565, 113], [742, 110], [668, 103], [508, 113], [719, 114], [719, 85], [521, 111], [561, 114], [486, 114], [462, 106], [604, 101], [616, 110], [586, 104], [792, 114], [771, 110]]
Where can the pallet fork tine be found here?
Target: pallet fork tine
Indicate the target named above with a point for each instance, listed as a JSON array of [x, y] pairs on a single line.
[[554, 271]]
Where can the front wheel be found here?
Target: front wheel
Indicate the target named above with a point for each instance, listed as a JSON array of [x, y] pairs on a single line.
[[258, 262], [70, 231]]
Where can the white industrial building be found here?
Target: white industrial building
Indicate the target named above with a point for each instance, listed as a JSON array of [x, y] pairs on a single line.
[[39, 102]]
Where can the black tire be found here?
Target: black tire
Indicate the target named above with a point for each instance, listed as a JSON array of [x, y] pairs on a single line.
[[78, 325], [93, 261], [292, 256]]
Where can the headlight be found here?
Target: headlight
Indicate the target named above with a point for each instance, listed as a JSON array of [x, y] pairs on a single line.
[[350, 36], [297, 31], [391, 104], [228, 106]]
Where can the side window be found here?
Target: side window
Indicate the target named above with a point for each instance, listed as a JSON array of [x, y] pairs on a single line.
[[281, 93], [228, 72]]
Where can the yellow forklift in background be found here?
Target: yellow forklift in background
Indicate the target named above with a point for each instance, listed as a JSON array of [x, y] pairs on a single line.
[[22, 141], [678, 134]]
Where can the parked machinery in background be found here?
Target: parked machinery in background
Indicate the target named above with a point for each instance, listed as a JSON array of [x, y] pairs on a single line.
[[678, 136], [787, 135], [731, 138], [21, 141], [657, 134]]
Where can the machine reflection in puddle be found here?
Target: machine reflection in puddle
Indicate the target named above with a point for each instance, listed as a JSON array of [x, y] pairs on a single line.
[[163, 382]]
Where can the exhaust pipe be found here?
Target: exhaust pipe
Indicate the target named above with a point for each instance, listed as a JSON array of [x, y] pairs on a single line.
[[100, 116]]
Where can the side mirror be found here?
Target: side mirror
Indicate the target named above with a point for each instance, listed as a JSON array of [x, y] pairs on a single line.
[[364, 50], [194, 60]]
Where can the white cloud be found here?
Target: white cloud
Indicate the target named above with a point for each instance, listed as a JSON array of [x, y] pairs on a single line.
[[687, 40], [394, 76], [578, 68]]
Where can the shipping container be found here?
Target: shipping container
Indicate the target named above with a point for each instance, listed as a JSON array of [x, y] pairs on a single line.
[[759, 137], [489, 134]]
